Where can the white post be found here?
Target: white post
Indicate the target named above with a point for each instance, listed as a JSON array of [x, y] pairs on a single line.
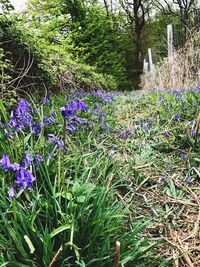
[[145, 66], [170, 54], [151, 66]]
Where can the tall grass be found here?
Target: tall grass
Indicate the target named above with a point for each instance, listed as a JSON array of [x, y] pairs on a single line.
[[78, 221], [183, 71]]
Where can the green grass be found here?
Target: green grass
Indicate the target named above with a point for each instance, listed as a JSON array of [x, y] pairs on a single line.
[[117, 181]]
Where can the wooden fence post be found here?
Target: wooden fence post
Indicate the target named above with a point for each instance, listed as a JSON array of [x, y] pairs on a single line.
[[170, 55], [151, 66], [145, 66]]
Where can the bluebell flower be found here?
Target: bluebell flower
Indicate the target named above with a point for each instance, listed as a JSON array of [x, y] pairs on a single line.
[[81, 105], [35, 110], [193, 132], [188, 180], [54, 139], [151, 121], [7, 134], [49, 155], [76, 120], [101, 116], [24, 178], [145, 127], [110, 157], [5, 162], [23, 107], [105, 126], [123, 136], [11, 192], [116, 131], [183, 155], [72, 127], [14, 167], [36, 128], [48, 120], [40, 158], [67, 112], [12, 122], [45, 101], [53, 113], [165, 134], [27, 161], [164, 177], [177, 117]]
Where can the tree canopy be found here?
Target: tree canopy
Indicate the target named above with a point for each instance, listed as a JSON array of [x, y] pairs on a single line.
[[110, 36]]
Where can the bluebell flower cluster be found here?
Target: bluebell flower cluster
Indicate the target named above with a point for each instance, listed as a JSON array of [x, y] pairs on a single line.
[[21, 117], [23, 177], [57, 141], [70, 113]]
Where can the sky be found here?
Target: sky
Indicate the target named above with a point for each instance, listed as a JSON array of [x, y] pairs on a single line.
[[18, 4]]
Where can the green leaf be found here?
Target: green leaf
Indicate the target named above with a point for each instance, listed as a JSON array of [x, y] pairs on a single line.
[[59, 230], [3, 110], [68, 196], [30, 244], [81, 199]]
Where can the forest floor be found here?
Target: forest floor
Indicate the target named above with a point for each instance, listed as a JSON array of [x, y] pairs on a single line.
[[82, 171], [163, 164]]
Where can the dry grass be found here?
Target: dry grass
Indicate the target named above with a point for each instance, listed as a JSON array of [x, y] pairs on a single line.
[[179, 72]]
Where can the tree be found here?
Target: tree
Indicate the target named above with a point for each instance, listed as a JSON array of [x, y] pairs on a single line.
[[137, 12], [182, 8], [5, 7]]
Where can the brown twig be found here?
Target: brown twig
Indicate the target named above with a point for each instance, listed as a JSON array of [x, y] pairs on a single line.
[[56, 256], [117, 254]]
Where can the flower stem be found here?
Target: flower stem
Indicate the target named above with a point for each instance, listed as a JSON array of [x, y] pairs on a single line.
[[63, 156], [14, 209]]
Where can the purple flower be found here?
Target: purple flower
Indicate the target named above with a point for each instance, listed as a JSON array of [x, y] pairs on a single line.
[[45, 101], [165, 134], [183, 155], [40, 158], [53, 113], [49, 155], [151, 121], [177, 117], [188, 180], [193, 132], [24, 178], [12, 122], [101, 116], [72, 127], [14, 167], [22, 108], [81, 105], [54, 139], [123, 136], [7, 134], [110, 157], [11, 192], [70, 109], [67, 112], [21, 117], [5, 162], [48, 120], [116, 131], [36, 128], [164, 177], [27, 161], [35, 110], [105, 126], [145, 127]]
